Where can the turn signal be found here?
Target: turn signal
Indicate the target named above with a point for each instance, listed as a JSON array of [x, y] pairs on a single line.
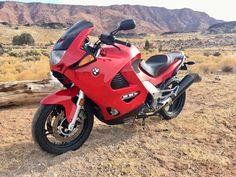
[[86, 60]]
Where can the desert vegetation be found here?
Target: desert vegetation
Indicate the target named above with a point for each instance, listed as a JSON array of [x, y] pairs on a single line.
[[213, 54], [24, 38], [200, 142], [23, 64]]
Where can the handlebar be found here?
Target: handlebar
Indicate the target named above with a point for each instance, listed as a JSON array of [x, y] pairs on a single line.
[[122, 43], [110, 39]]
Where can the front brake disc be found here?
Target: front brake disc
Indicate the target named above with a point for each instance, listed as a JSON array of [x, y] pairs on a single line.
[[58, 128]]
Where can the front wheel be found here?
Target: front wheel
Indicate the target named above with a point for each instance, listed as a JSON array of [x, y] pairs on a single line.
[[50, 129]]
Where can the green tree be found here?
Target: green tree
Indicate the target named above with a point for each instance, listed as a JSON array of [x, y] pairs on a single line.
[[147, 45], [24, 38], [160, 48], [1, 49]]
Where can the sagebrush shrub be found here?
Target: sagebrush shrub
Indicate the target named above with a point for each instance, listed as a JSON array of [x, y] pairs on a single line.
[[24, 38], [216, 54], [227, 69]]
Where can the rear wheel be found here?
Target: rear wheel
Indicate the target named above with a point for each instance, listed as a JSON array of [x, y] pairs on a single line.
[[50, 129], [173, 110]]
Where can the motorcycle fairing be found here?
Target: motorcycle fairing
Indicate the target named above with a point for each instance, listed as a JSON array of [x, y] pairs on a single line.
[[98, 88], [68, 37], [74, 53]]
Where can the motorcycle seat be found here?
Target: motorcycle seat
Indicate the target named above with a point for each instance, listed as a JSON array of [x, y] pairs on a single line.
[[156, 64]]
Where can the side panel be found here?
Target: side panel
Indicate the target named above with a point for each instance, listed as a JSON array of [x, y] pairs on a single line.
[[64, 98], [98, 88]]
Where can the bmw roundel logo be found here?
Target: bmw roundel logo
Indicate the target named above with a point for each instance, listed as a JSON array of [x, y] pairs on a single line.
[[95, 71]]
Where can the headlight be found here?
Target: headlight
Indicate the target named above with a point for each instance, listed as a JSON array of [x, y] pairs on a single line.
[[56, 56]]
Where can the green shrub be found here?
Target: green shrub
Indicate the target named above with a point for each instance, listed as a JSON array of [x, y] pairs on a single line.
[[32, 58], [1, 49], [1, 52], [12, 54], [45, 53], [147, 45], [227, 69], [15, 54], [32, 53], [24, 38], [160, 48], [207, 54], [49, 44], [216, 54]]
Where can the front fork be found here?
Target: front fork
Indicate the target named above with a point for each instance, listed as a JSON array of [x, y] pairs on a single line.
[[79, 105]]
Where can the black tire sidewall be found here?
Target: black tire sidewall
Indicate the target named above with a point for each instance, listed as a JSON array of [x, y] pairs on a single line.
[[167, 115], [170, 115], [39, 136]]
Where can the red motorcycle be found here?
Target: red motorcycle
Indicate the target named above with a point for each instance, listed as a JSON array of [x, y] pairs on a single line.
[[107, 79]]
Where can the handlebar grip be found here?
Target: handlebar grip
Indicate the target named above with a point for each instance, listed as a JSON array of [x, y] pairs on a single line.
[[122, 43]]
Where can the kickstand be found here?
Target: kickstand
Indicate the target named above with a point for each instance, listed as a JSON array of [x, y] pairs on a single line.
[[133, 123], [143, 122]]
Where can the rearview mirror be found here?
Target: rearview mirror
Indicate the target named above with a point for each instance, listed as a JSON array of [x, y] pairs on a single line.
[[127, 25]]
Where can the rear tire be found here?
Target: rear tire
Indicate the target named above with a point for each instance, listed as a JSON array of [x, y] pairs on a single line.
[[40, 135], [176, 107]]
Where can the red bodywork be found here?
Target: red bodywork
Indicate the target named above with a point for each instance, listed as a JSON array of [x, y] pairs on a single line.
[[98, 88]]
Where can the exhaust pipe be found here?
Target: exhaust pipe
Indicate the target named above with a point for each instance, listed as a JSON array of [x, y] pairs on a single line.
[[185, 83]]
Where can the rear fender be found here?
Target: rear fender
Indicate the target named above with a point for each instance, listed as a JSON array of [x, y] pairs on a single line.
[[64, 98]]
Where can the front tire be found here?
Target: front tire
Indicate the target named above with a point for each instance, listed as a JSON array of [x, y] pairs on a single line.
[[49, 129]]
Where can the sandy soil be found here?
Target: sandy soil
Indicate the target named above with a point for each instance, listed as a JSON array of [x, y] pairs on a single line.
[[200, 142]]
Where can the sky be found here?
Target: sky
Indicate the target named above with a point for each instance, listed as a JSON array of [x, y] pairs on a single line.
[[219, 9]]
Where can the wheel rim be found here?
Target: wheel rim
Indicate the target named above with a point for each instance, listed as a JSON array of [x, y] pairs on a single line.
[[56, 130], [174, 107]]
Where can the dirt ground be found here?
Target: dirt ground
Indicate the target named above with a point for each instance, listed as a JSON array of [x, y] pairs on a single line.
[[200, 142]]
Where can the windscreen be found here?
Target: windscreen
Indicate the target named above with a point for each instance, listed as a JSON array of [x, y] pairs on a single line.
[[65, 41]]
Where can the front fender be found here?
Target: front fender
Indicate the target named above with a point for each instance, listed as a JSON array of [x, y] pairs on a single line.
[[64, 98]]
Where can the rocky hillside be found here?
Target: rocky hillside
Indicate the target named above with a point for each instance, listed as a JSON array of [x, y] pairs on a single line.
[[149, 19], [221, 28]]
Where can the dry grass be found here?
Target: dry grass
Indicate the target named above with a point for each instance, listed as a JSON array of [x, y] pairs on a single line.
[[16, 67], [13, 68], [204, 64], [41, 35], [211, 64], [228, 65]]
